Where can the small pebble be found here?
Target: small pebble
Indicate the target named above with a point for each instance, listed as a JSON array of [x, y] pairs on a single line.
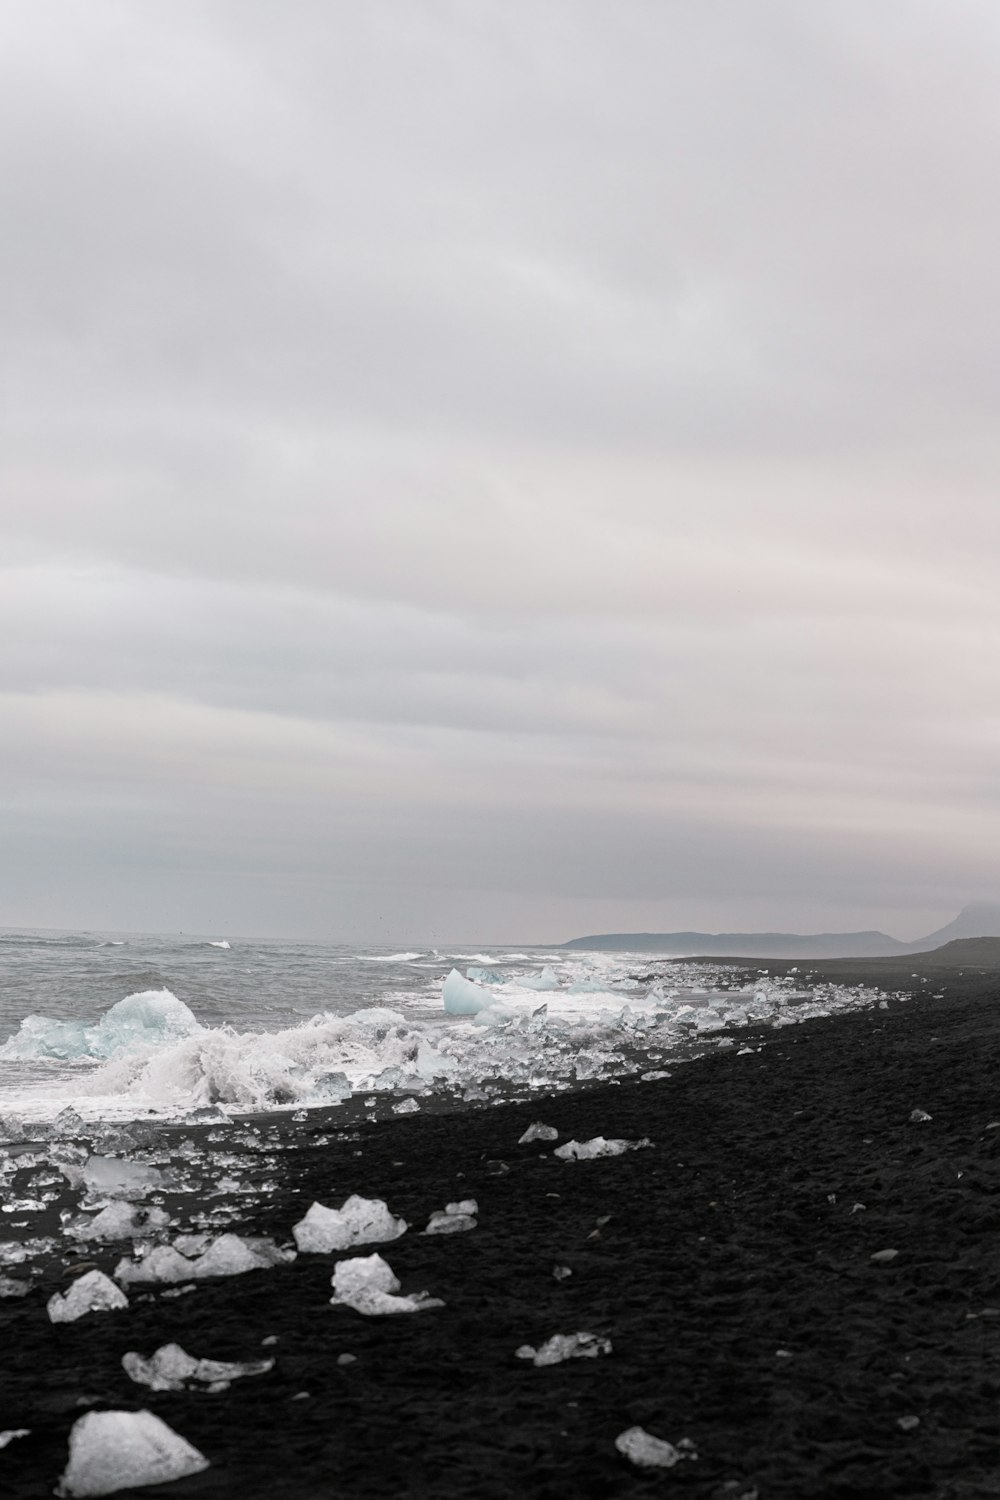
[[908, 1423], [882, 1257], [347, 1359]]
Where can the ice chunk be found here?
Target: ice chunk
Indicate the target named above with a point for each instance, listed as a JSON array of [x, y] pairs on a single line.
[[12, 1129], [12, 1433], [918, 1116], [367, 1284], [358, 1221], [565, 1346], [456, 1218], [172, 1369], [11, 1287], [118, 1221], [462, 997], [148, 1018], [93, 1292], [406, 1107], [587, 1150], [546, 980], [229, 1255], [119, 1450], [485, 976], [648, 1452], [113, 1177], [538, 1132]]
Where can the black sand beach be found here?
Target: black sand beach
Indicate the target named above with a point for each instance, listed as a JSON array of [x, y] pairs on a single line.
[[729, 1265]]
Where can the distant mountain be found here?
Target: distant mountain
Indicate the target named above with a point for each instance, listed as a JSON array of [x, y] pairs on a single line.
[[979, 920], [970, 952], [747, 944]]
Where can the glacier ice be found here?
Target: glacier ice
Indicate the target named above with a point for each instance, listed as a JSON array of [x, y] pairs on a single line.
[[406, 1107], [462, 997], [12, 1433], [92, 1292], [117, 1221], [229, 1255], [546, 980], [170, 1368], [358, 1221], [565, 1346], [10, 1286], [116, 1450], [147, 1018], [485, 976], [367, 1284], [538, 1132], [588, 1150], [454, 1218], [648, 1452], [113, 1177]]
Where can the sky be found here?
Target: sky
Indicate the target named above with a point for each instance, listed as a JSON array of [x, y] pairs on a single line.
[[499, 469]]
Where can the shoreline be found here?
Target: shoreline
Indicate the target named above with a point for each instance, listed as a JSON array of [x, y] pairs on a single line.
[[700, 1259]]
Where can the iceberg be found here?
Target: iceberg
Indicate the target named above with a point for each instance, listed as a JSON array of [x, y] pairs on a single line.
[[147, 1018], [172, 1369], [462, 997], [588, 1150], [93, 1292], [358, 1221], [229, 1255], [119, 1450], [367, 1284], [546, 980]]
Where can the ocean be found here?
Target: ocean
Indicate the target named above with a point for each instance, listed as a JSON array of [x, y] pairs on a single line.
[[123, 1025]]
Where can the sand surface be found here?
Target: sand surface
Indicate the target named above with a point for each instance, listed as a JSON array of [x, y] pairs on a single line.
[[728, 1265]]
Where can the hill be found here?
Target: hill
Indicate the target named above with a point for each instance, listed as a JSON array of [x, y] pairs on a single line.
[[979, 920]]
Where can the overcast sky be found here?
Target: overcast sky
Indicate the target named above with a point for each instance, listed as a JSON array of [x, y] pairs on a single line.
[[499, 469]]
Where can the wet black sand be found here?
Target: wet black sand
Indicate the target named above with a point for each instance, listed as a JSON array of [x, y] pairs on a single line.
[[701, 1259]]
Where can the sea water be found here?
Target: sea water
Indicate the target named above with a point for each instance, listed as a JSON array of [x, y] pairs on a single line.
[[123, 1025]]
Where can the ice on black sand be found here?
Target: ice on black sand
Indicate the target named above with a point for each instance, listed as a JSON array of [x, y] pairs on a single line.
[[565, 1346], [118, 1450], [367, 1284], [171, 1368], [93, 1292], [454, 1218], [229, 1255], [648, 1452], [538, 1132], [598, 1146], [358, 1221]]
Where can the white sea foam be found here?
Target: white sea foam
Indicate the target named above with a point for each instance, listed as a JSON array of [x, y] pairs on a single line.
[[150, 1051]]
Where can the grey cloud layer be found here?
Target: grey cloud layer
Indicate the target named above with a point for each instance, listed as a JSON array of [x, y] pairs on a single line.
[[473, 469]]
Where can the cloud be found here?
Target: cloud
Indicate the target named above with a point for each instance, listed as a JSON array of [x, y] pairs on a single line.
[[528, 467]]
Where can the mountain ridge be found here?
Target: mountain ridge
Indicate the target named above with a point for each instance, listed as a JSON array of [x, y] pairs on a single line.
[[977, 920]]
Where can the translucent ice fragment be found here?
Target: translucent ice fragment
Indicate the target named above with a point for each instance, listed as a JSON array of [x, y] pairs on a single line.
[[367, 1284], [648, 1452], [406, 1107], [118, 1450], [358, 1221], [112, 1177], [11, 1434], [918, 1116], [93, 1292], [538, 1132], [229, 1255], [118, 1221], [546, 980], [485, 976], [11, 1287], [587, 1150], [455, 1218], [462, 997], [565, 1346], [172, 1369]]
